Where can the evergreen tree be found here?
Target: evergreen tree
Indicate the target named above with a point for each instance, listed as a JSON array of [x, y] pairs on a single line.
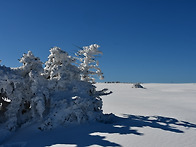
[[30, 63], [89, 66], [58, 94]]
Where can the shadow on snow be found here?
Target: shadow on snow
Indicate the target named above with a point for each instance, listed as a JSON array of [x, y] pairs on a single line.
[[94, 133]]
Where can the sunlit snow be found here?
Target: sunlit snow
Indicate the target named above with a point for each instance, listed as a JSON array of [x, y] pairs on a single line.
[[161, 115]]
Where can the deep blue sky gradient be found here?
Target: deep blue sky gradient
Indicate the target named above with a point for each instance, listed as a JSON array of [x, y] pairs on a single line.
[[142, 40]]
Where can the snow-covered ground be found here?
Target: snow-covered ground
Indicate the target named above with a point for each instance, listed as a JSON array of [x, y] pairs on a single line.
[[162, 115]]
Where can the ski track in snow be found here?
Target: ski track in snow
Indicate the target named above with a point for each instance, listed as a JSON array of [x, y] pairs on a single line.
[[161, 115]]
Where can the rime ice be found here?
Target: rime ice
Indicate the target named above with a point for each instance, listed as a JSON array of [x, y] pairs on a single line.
[[58, 94]]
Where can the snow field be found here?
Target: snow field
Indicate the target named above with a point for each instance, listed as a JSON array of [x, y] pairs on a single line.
[[162, 115], [175, 101]]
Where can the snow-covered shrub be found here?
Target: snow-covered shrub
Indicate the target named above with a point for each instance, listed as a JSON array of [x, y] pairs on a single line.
[[88, 64], [137, 85], [54, 95]]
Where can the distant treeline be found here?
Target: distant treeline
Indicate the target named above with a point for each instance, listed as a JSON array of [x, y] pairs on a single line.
[[118, 82]]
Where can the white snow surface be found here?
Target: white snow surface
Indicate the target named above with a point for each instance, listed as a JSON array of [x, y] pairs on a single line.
[[162, 115]]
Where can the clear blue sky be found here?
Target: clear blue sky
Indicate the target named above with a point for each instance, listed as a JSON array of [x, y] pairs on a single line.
[[142, 40]]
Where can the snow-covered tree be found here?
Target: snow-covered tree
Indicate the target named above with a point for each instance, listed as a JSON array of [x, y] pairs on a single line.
[[54, 95], [13, 92], [23, 91], [30, 63], [59, 65], [60, 68], [31, 71], [89, 66], [73, 100]]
